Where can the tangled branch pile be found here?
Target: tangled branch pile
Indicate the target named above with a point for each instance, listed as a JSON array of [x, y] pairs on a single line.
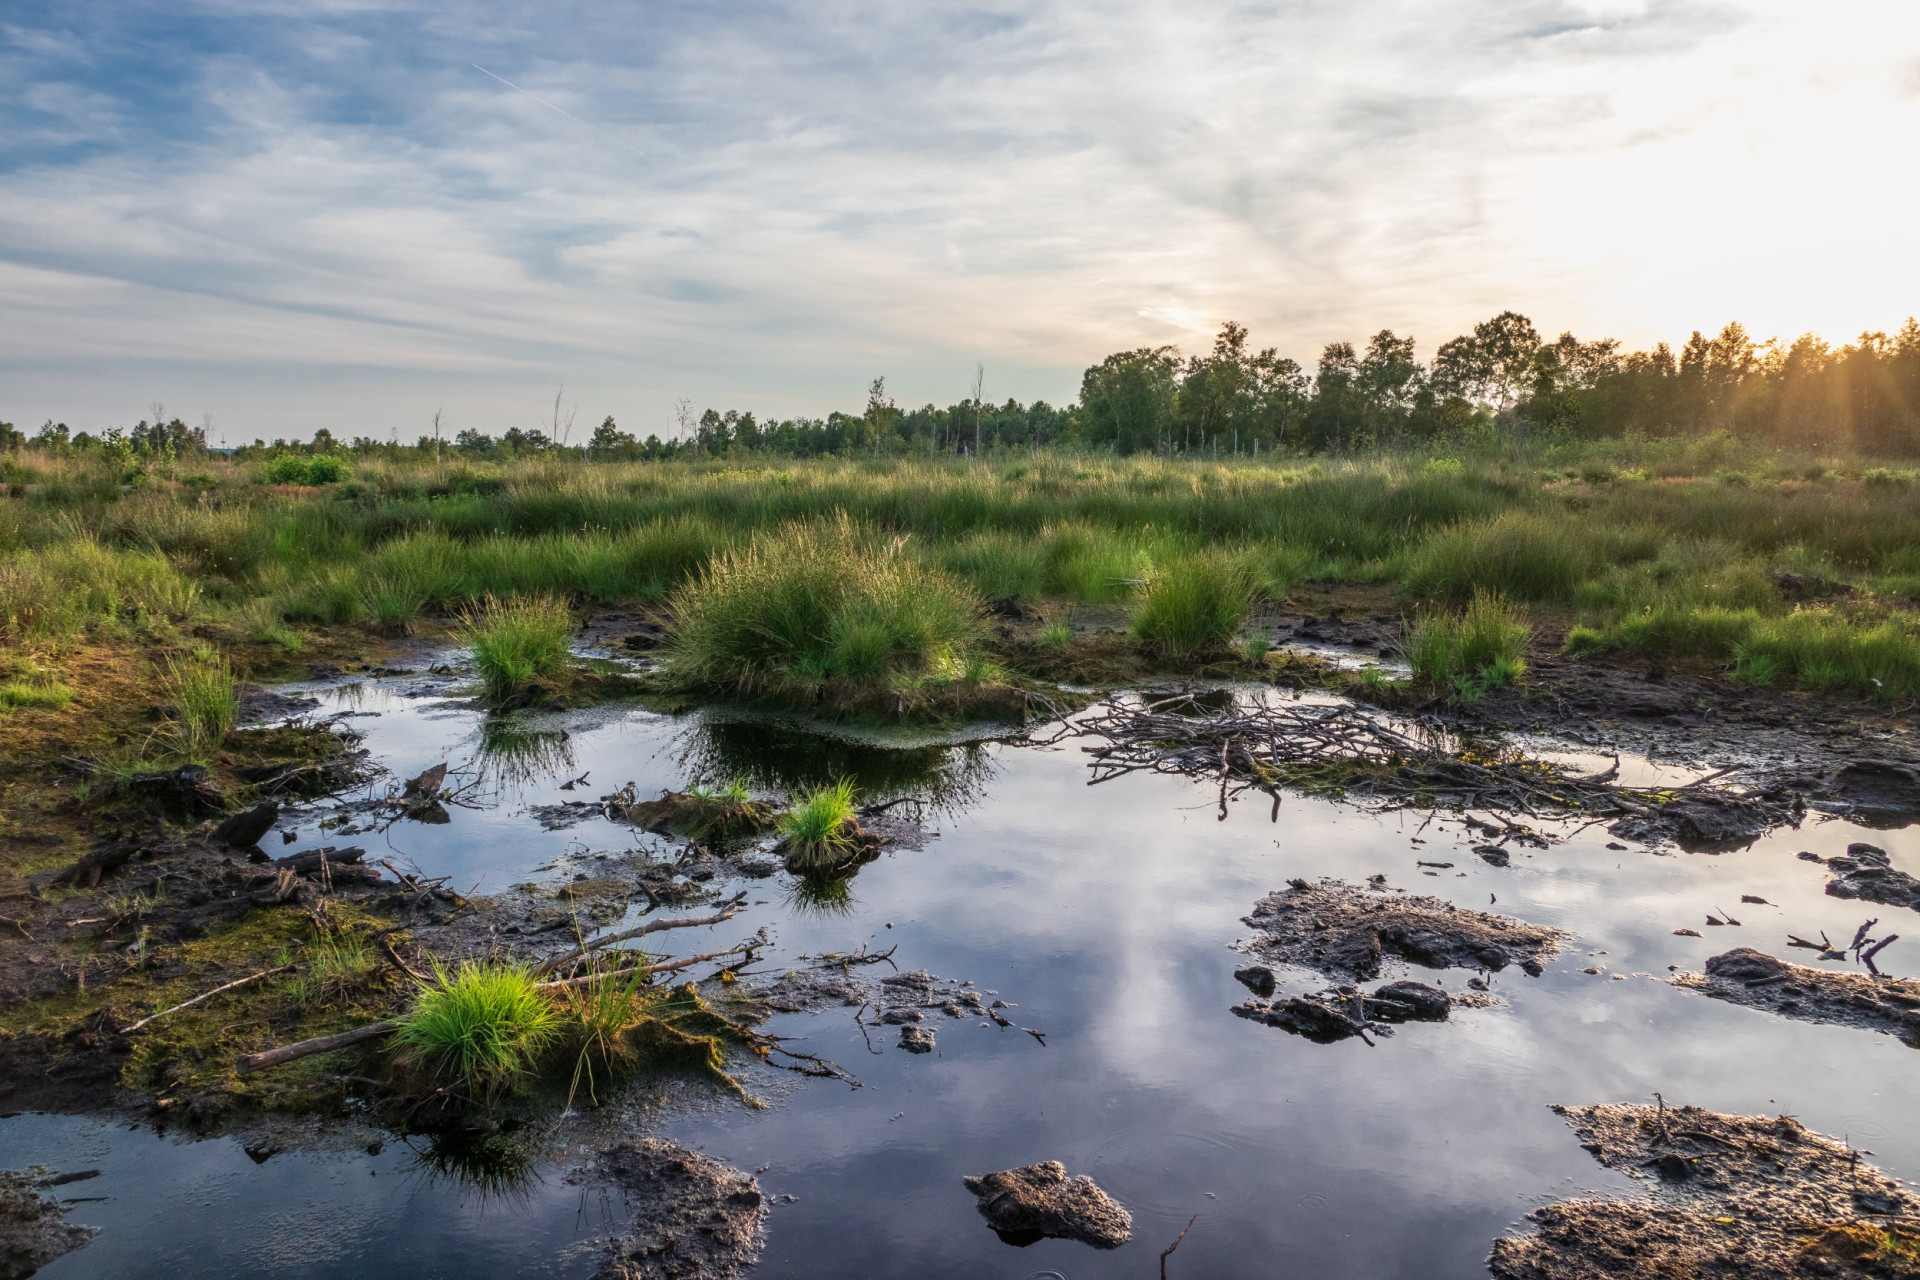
[[1352, 751]]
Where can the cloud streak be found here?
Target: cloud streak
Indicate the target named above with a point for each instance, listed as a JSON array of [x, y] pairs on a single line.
[[320, 213]]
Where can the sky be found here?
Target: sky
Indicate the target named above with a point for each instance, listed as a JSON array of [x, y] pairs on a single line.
[[279, 215]]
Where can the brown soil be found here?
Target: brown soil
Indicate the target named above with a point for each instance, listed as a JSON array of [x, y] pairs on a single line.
[[1752, 1197], [1347, 931], [1759, 981], [694, 1219]]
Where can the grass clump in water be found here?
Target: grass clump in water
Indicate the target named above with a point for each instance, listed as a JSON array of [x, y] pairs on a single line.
[[206, 703], [1194, 604], [1477, 649], [817, 829], [517, 644], [481, 1026], [824, 600]]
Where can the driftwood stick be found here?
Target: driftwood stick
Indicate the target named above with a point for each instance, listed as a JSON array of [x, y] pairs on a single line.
[[728, 912], [238, 982]]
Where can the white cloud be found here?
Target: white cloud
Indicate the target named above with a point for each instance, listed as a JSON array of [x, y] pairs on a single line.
[[337, 218]]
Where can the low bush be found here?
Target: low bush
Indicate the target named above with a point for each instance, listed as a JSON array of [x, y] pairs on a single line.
[[290, 469]]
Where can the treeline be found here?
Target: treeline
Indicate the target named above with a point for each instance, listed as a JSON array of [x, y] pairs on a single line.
[[1502, 380]]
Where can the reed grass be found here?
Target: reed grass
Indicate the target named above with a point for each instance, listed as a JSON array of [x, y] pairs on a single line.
[[1646, 542], [816, 828], [819, 600]]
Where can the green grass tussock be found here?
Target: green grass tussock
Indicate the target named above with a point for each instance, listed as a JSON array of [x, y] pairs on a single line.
[[1194, 604], [820, 600], [815, 829], [517, 644], [1472, 650], [481, 1026], [206, 703]]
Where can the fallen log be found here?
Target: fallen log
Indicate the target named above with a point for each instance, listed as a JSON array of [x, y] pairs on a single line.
[[252, 1062]]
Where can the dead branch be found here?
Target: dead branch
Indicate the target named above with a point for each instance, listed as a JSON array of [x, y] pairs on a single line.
[[1168, 1251], [727, 912], [238, 982]]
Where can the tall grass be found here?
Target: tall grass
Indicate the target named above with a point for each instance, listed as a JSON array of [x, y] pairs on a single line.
[[821, 599], [480, 1026], [206, 703], [1194, 603], [1472, 650], [517, 643], [1684, 532], [1816, 647]]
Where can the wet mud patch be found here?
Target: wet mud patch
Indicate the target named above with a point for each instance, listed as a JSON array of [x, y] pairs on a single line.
[[915, 1001], [1348, 931], [1756, 1197], [1760, 981], [694, 1218], [33, 1227]]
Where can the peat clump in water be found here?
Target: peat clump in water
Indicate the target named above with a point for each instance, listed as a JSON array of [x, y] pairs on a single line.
[[1035, 1201], [1346, 931], [695, 1219], [1866, 873], [1759, 981], [33, 1229], [1729, 1196]]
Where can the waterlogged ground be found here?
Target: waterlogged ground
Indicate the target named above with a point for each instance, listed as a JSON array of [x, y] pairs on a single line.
[[1105, 916]]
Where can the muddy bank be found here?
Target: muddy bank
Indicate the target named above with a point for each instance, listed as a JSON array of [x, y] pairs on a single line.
[[915, 1001], [1830, 748], [694, 1218], [1754, 1197], [1759, 981], [33, 1227], [1348, 931]]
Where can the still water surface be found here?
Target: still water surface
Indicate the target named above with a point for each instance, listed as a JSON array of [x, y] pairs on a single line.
[[1105, 914]]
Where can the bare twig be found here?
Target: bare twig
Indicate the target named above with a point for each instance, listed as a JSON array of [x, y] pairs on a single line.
[[1168, 1251], [238, 982]]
